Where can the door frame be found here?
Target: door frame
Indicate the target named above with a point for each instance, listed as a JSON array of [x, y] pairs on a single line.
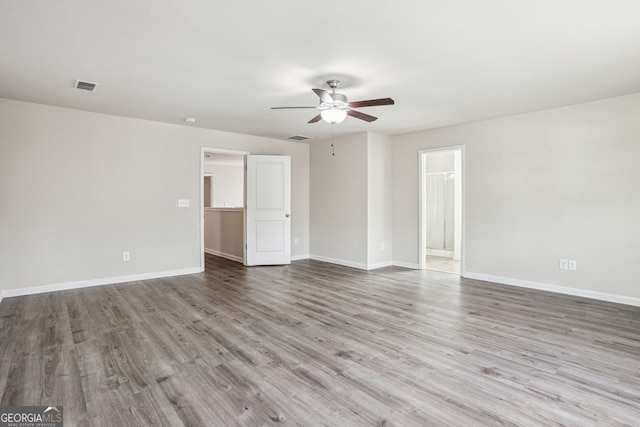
[[422, 232], [204, 150], [211, 184]]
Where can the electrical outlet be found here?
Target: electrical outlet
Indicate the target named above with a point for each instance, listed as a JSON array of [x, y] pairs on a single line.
[[296, 241], [125, 256], [382, 246], [564, 264], [573, 265]]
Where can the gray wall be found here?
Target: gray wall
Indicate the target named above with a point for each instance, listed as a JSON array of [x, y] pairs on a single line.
[[559, 183], [351, 200], [224, 232], [379, 200], [339, 199], [79, 188]]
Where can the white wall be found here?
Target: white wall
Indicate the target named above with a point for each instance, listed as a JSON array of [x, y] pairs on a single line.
[[79, 188], [228, 185], [379, 203], [338, 223], [559, 183], [439, 162]]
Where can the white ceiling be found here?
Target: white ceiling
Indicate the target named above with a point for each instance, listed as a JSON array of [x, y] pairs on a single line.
[[226, 62]]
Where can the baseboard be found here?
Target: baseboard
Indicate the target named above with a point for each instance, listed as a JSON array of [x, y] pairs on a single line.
[[620, 299], [224, 255], [439, 252], [0, 296], [358, 265], [97, 282], [379, 265], [406, 265], [239, 259]]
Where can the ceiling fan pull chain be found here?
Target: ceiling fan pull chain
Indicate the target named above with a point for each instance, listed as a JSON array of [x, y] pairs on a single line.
[[333, 151]]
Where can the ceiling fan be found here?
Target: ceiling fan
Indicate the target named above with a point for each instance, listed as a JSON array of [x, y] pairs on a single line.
[[335, 107]]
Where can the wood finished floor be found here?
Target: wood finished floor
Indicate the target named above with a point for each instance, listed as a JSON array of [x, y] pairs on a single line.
[[446, 265], [319, 344]]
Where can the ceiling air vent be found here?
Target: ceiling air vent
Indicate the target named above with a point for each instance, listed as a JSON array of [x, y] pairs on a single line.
[[298, 137], [85, 85]]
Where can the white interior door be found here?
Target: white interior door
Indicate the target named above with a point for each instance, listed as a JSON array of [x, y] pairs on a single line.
[[267, 210]]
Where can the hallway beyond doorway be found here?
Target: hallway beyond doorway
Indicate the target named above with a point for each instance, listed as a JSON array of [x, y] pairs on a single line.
[[439, 263]]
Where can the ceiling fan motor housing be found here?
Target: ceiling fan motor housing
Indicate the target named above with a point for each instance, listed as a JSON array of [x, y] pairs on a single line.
[[333, 84], [339, 98]]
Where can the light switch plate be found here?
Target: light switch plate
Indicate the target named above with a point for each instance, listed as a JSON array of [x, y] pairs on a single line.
[[183, 203], [564, 264]]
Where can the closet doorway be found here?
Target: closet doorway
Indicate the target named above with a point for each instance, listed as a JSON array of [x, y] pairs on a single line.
[[441, 209]]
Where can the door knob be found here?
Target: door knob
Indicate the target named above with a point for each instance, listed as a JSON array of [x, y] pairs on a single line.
[[287, 215]]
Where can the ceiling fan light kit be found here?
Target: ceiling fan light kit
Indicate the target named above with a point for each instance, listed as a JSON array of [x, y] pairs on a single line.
[[333, 115], [334, 107]]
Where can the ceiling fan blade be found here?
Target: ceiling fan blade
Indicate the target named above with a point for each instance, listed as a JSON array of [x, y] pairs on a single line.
[[287, 108], [372, 103], [324, 95], [315, 119], [361, 116]]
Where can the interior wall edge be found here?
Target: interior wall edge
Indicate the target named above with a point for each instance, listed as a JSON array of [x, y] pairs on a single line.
[[375, 266], [97, 282], [358, 265], [602, 296]]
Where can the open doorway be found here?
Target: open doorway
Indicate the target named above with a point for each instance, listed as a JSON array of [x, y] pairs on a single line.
[[441, 209], [222, 204]]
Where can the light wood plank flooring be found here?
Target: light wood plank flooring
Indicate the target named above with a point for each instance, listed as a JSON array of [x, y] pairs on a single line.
[[319, 344], [447, 265]]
